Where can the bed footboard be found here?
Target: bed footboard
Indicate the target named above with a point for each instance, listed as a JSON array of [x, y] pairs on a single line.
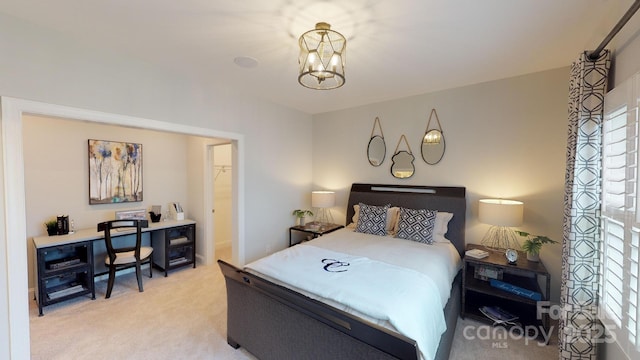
[[273, 322]]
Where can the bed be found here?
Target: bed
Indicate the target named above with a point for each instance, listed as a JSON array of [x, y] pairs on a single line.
[[273, 319]]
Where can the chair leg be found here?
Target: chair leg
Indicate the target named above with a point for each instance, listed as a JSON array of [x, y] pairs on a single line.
[[139, 276], [112, 275], [150, 267]]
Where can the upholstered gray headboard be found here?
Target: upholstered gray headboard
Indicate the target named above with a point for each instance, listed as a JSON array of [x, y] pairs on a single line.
[[449, 199]]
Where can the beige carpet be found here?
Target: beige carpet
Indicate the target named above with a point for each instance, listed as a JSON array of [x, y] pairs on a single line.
[[183, 316]]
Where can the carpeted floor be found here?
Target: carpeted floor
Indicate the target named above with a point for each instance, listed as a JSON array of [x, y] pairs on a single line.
[[183, 316]]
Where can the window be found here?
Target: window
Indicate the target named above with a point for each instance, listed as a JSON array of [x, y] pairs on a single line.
[[619, 250]]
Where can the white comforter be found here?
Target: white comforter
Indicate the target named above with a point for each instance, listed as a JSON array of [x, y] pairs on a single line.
[[389, 281]]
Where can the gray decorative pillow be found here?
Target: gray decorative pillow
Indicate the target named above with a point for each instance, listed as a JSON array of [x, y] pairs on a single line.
[[416, 225], [372, 219]]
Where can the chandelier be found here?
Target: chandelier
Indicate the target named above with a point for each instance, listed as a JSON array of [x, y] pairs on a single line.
[[322, 57]]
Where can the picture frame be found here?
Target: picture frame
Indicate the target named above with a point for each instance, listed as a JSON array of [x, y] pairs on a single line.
[[115, 172]]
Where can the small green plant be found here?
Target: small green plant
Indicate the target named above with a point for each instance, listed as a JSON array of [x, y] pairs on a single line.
[[533, 243], [301, 213], [52, 226]]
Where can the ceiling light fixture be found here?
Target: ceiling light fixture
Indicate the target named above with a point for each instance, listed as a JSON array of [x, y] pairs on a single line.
[[322, 58]]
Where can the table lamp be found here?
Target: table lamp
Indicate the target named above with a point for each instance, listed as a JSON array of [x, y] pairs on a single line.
[[502, 215], [322, 201]]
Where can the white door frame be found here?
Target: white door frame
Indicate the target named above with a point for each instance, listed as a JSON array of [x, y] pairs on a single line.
[[208, 245], [14, 302]]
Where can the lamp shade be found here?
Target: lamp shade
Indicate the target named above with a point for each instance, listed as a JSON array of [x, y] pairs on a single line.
[[323, 199], [499, 212]]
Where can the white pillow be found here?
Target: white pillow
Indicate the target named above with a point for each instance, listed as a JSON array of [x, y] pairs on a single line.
[[392, 218], [442, 226], [393, 214]]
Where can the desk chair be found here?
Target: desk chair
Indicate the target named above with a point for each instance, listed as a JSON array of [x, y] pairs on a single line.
[[119, 258]]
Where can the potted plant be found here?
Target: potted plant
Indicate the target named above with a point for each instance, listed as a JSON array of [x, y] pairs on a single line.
[[533, 244], [52, 227], [300, 215]]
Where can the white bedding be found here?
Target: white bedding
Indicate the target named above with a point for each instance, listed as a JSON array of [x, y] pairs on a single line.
[[388, 281]]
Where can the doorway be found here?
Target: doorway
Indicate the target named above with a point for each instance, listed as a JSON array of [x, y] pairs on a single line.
[[14, 331], [222, 205]]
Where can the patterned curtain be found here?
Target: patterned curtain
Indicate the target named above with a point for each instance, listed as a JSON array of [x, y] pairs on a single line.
[[581, 229]]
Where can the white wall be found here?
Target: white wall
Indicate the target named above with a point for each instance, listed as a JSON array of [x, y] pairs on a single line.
[[504, 138], [196, 192], [41, 65], [56, 172]]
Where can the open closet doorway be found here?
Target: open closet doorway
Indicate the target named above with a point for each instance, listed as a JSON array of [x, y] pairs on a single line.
[[221, 211]]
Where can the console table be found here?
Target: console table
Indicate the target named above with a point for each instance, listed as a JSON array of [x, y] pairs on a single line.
[[65, 265]]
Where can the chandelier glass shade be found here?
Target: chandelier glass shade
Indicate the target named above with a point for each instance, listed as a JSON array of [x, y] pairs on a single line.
[[322, 58]]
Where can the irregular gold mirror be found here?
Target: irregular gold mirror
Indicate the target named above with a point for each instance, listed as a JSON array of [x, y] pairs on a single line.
[[377, 149], [402, 161], [433, 144]]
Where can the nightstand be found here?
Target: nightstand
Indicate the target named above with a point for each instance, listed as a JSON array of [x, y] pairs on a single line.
[[478, 292], [314, 229]]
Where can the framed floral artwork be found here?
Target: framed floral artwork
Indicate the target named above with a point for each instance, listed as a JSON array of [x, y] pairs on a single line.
[[115, 172]]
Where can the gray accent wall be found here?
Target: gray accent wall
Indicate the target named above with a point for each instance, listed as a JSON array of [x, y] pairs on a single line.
[[504, 139]]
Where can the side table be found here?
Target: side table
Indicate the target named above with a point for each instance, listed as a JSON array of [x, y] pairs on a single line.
[[477, 291], [313, 228]]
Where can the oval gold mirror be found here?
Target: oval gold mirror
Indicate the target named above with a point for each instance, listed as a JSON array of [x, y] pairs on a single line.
[[433, 146], [377, 149]]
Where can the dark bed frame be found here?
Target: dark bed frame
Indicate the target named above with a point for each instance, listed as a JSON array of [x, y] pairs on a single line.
[[274, 322]]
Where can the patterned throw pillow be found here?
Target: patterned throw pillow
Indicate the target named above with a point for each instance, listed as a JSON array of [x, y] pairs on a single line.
[[416, 225], [372, 219]]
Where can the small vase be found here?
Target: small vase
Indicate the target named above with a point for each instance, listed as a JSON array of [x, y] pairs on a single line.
[[533, 257], [302, 221]]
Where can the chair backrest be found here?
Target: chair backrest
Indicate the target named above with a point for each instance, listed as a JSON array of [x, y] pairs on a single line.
[[107, 226]]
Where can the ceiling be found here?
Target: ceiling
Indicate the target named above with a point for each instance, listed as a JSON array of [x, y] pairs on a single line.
[[395, 48]]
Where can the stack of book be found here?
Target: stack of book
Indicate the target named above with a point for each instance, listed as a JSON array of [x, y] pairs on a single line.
[[178, 260], [476, 253], [72, 289]]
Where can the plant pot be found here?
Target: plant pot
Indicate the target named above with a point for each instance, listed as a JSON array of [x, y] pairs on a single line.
[[301, 221], [53, 231], [533, 257]]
